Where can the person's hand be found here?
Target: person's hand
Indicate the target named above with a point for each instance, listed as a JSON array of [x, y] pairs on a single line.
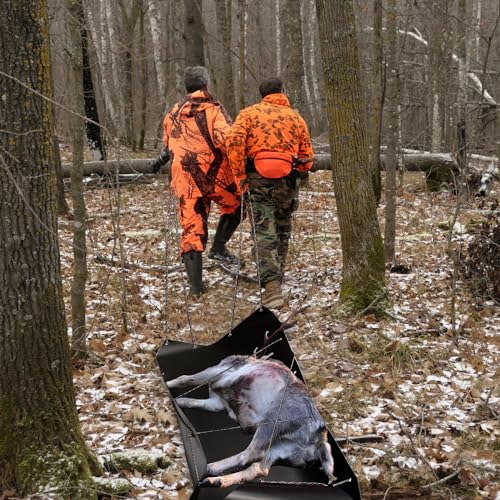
[[160, 161], [156, 165]]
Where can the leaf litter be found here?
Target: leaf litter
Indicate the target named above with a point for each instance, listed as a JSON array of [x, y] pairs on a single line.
[[425, 380]]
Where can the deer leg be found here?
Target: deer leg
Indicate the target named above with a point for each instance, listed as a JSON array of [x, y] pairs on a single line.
[[195, 379], [326, 458], [213, 403], [257, 469], [255, 451]]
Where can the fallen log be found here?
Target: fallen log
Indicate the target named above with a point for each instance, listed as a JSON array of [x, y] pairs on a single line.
[[114, 167], [424, 162], [439, 168]]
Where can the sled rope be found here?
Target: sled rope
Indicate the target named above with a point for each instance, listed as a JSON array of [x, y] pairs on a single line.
[[310, 483], [237, 427]]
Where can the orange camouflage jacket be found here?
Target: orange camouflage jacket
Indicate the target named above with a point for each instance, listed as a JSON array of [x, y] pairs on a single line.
[[195, 132], [270, 125]]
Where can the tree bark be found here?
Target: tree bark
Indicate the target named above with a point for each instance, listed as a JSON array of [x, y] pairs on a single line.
[[293, 64], [227, 82], [392, 131], [79, 333], [293, 67], [129, 20], [41, 445], [154, 14], [461, 122], [95, 138], [363, 280], [438, 52], [193, 33], [242, 45], [62, 205], [377, 100], [143, 86]]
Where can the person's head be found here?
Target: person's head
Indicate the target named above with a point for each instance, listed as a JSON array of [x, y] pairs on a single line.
[[271, 86], [195, 78]]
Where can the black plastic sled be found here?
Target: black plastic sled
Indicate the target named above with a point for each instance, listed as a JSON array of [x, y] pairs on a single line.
[[206, 435]]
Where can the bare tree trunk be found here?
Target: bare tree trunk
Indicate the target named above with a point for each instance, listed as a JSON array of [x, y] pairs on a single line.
[[462, 89], [97, 35], [278, 39], [79, 334], [143, 87], [293, 64], [437, 50], [242, 17], [293, 67], [154, 16], [193, 33], [226, 82], [111, 68], [377, 99], [129, 22], [363, 281], [62, 205], [95, 138], [42, 448], [392, 131]]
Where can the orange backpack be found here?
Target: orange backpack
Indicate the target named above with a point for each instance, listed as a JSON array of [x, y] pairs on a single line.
[[273, 164]]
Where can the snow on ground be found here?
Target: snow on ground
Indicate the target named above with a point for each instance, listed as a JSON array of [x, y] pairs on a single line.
[[424, 380]]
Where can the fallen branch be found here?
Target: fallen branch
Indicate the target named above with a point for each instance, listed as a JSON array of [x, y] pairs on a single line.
[[367, 438], [442, 480]]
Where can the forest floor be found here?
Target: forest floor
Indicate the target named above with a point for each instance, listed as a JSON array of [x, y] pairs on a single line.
[[425, 380]]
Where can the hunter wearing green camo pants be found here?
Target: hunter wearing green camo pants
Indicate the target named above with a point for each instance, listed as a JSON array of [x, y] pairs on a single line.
[[267, 146], [273, 202]]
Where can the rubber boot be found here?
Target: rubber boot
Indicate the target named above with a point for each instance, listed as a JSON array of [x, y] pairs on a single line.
[[225, 229], [193, 263]]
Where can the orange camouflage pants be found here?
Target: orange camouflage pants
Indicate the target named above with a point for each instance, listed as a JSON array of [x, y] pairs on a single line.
[[193, 217]]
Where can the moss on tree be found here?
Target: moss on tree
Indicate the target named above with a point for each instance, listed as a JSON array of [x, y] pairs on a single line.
[[63, 473], [365, 290]]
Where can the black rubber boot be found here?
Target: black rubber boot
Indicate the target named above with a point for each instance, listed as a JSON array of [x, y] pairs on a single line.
[[225, 229], [193, 263]]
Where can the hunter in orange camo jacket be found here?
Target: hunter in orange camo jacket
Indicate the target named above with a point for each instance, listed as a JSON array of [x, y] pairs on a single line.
[[270, 125], [194, 132], [265, 143]]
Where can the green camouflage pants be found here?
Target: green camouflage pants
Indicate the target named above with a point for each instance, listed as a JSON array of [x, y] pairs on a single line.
[[273, 203]]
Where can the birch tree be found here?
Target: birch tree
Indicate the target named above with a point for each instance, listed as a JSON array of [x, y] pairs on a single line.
[[79, 335]]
